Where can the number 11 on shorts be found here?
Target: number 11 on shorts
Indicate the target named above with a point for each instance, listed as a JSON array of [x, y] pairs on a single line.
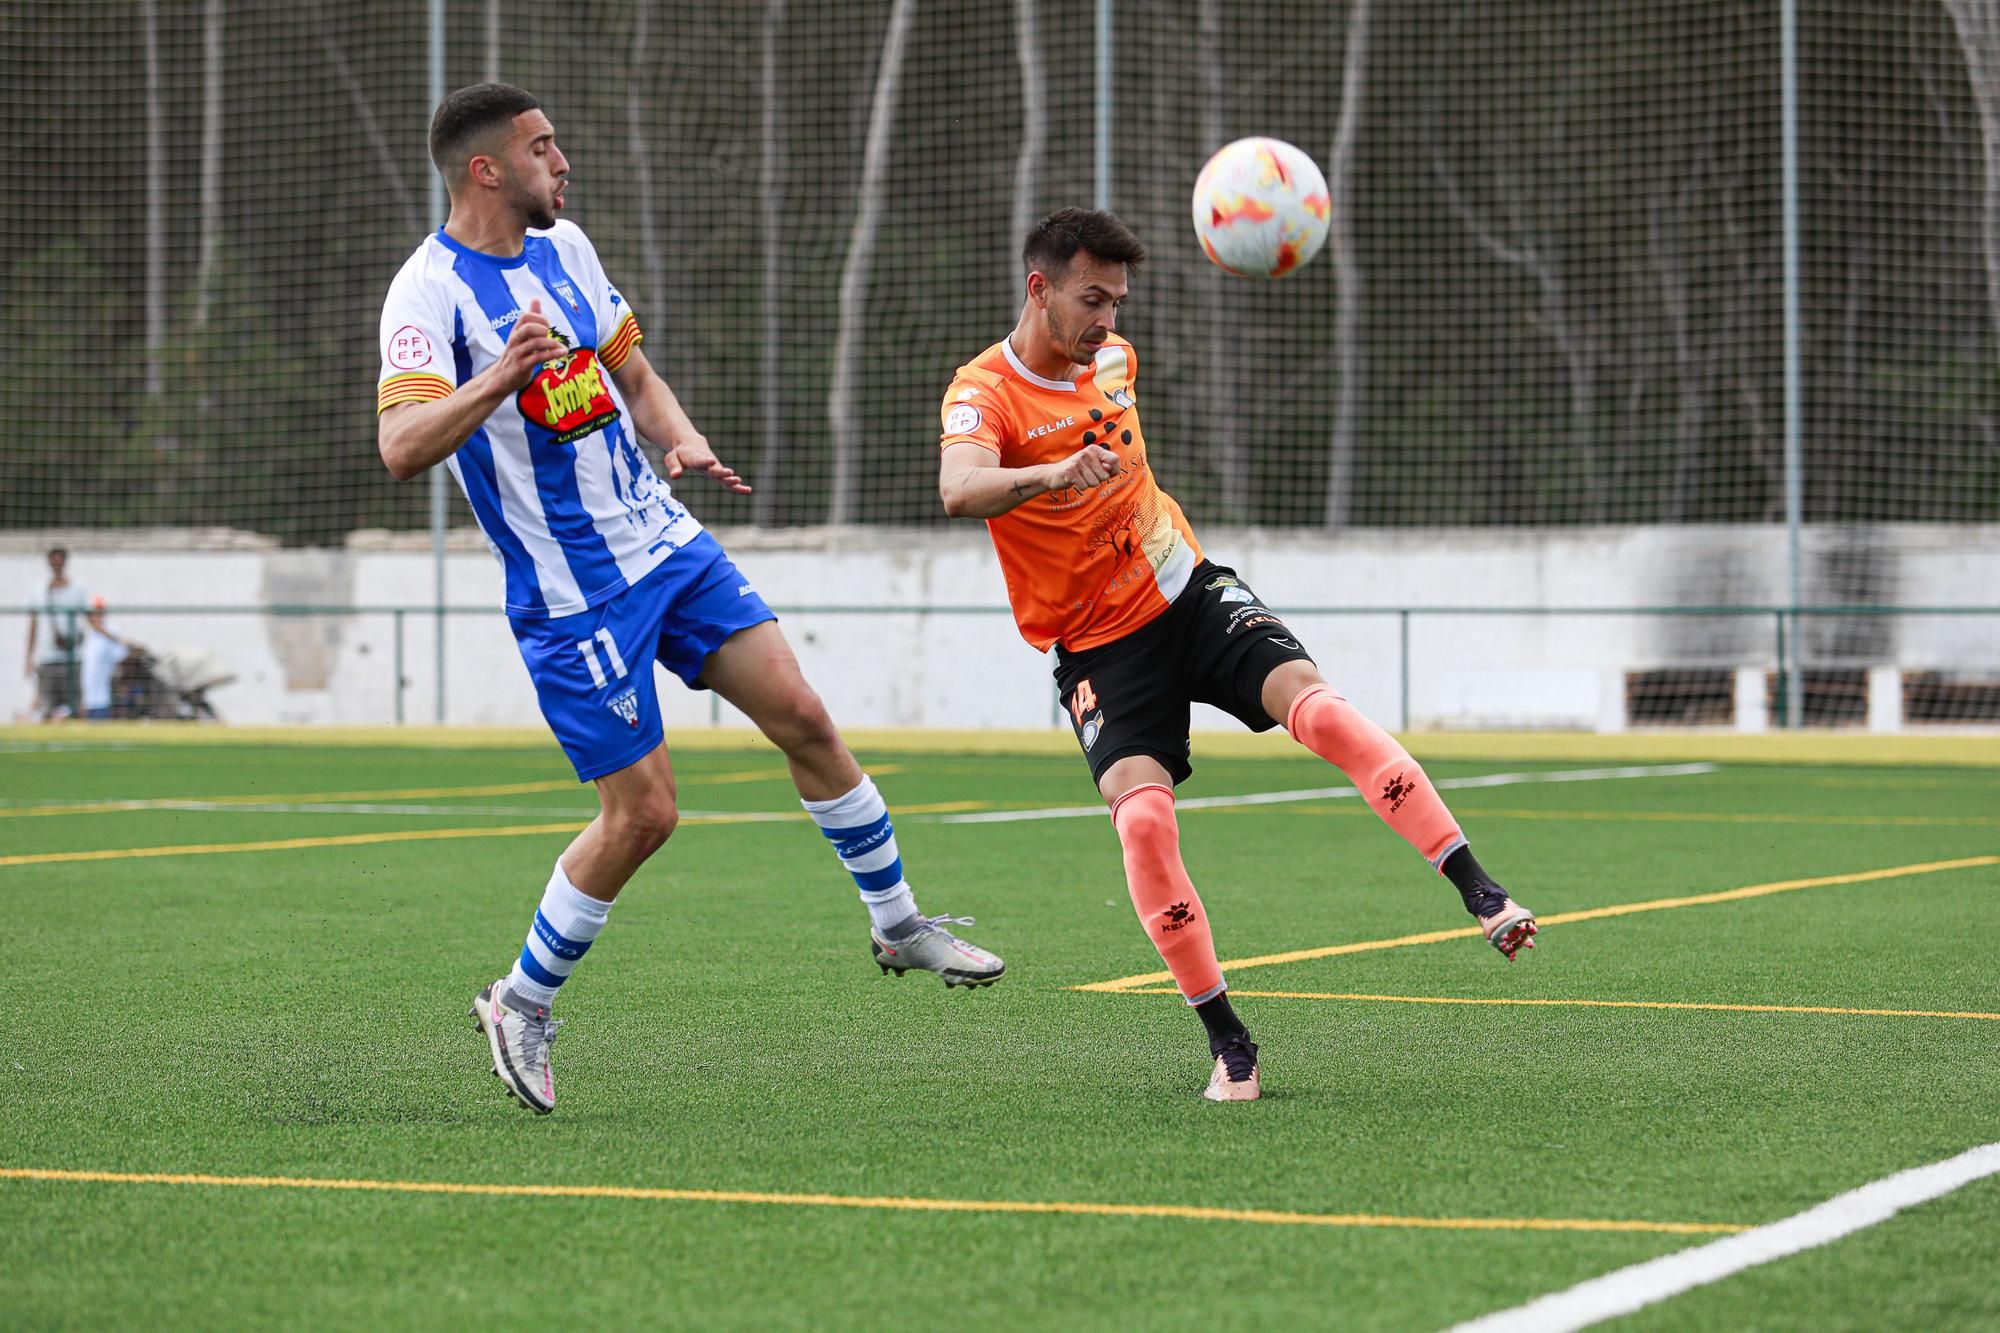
[[588, 648]]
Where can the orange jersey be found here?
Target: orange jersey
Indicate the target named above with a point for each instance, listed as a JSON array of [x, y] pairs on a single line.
[[1083, 567]]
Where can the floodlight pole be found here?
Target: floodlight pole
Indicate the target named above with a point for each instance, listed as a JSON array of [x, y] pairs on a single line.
[[1103, 156], [1788, 41], [437, 209]]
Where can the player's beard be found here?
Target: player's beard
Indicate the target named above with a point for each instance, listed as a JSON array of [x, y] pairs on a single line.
[[1070, 341], [534, 211]]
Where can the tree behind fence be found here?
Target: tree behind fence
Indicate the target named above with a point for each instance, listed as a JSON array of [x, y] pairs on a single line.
[[1553, 298]]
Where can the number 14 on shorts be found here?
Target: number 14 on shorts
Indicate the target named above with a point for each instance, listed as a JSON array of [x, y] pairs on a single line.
[[588, 647]]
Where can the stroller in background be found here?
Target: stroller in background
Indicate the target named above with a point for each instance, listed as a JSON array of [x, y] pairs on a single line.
[[172, 685]]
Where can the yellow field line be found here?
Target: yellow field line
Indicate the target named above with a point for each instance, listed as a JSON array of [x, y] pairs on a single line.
[[164, 802], [1635, 816], [1832, 747], [413, 835], [1562, 918], [1586, 1004], [1270, 1217], [770, 775], [291, 844], [403, 793], [1721, 817]]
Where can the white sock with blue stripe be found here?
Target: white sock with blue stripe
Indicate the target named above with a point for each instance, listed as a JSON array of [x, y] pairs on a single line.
[[858, 826], [565, 924]]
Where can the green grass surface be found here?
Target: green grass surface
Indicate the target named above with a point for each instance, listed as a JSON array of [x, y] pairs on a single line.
[[300, 1013]]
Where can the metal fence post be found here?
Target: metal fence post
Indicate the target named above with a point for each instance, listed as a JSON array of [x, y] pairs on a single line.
[[72, 666], [399, 665], [1780, 711], [1102, 135], [1404, 664], [436, 34], [1788, 153]]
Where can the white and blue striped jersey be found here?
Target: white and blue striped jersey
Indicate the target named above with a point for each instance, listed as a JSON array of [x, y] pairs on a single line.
[[555, 476]]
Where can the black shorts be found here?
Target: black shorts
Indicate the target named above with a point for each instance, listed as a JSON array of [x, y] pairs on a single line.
[[1214, 645]]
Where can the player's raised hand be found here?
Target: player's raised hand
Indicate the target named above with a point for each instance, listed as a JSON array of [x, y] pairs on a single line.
[[528, 346], [693, 454], [1091, 465]]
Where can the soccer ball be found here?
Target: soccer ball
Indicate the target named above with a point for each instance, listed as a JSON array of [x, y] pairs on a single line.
[[1261, 208]]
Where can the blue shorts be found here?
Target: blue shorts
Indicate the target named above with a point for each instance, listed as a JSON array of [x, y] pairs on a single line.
[[593, 671]]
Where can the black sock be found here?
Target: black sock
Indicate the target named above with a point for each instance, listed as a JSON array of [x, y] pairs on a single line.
[[1483, 896], [1222, 1023]]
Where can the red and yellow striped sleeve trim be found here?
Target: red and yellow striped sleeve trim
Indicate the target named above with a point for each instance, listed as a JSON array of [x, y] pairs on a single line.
[[621, 342], [416, 386]]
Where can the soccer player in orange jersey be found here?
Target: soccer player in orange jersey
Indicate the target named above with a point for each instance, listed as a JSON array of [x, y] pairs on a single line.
[[1042, 440]]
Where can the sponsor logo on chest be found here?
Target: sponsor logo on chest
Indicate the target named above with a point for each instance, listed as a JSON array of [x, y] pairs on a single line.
[[1050, 427]]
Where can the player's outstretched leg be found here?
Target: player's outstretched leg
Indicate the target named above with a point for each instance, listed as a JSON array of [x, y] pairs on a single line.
[[1175, 920], [513, 1012], [1396, 788], [756, 671]]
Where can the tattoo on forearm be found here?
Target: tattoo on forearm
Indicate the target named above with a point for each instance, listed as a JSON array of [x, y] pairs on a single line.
[[1021, 489]]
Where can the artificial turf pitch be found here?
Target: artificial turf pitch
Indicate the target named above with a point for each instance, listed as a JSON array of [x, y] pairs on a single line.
[[298, 1012]]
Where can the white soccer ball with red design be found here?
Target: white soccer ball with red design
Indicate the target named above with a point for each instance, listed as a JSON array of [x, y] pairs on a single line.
[[1261, 208]]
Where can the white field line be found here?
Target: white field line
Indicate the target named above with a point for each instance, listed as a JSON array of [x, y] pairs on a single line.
[[330, 808], [57, 747], [1335, 793], [989, 817], [1629, 1289], [378, 808], [537, 811]]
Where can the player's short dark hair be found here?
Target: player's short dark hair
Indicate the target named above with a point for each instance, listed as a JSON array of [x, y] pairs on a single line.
[[469, 115], [62, 551], [1054, 241]]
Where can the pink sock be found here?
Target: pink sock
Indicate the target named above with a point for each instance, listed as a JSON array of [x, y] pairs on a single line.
[[1390, 781], [1164, 896]]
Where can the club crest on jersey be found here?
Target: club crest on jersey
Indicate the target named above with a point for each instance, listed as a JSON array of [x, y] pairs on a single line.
[[568, 294], [568, 396], [625, 703]]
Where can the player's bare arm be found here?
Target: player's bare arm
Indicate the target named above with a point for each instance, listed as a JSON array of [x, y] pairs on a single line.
[[415, 437], [660, 418], [974, 485]]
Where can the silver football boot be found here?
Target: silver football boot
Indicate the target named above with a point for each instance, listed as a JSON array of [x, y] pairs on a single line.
[[932, 948], [520, 1036]]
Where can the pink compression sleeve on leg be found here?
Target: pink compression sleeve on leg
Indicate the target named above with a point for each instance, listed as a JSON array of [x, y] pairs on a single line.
[[1162, 893], [1390, 781]]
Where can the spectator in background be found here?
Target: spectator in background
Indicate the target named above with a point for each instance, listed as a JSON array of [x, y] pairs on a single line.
[[54, 628], [100, 654]]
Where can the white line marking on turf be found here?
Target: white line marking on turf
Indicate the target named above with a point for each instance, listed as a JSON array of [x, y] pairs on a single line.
[[57, 747], [539, 811], [329, 808], [1629, 1289], [1330, 793]]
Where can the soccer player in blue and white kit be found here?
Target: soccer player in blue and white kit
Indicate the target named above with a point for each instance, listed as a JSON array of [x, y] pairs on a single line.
[[510, 357]]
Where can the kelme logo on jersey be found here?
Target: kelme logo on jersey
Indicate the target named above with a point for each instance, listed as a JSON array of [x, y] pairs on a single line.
[[626, 704], [568, 396]]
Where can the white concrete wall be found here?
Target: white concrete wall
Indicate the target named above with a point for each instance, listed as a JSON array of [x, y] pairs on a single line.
[[947, 668]]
